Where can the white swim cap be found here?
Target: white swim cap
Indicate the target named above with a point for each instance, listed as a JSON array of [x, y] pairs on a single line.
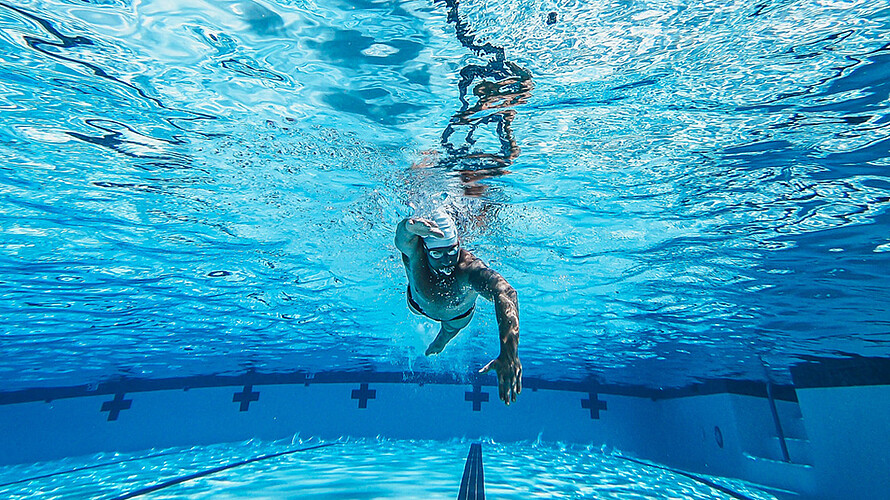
[[446, 225]]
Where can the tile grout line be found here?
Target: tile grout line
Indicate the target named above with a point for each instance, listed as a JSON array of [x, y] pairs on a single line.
[[207, 472]]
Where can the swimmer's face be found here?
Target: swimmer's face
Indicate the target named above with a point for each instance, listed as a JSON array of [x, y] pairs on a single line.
[[484, 88], [443, 260]]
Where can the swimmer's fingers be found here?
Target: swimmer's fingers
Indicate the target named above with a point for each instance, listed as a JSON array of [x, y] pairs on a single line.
[[424, 227], [509, 379], [489, 367], [513, 388], [503, 388], [519, 381], [514, 382]]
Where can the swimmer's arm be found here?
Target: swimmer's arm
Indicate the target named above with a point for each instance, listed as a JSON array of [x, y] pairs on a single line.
[[409, 232], [406, 241], [494, 287]]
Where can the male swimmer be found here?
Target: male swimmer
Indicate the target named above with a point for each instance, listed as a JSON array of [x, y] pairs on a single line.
[[444, 281]]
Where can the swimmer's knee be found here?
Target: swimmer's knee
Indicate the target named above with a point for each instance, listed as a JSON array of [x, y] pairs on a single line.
[[451, 328]]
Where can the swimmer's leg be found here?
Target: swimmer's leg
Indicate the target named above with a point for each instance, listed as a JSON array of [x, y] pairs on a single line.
[[447, 332]]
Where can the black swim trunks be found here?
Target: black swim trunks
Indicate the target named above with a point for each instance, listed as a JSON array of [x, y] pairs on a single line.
[[416, 308]]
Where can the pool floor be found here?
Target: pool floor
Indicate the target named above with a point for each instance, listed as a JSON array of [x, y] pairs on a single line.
[[359, 468]]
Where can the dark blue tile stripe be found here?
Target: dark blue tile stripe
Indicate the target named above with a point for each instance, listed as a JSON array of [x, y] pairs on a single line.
[[841, 372], [472, 484], [182, 479], [480, 477], [815, 372], [131, 386], [465, 479]]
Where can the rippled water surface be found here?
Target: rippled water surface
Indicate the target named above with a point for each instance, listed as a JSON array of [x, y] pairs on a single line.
[[677, 189], [364, 469]]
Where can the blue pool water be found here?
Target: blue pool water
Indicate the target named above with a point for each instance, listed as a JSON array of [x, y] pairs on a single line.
[[701, 190], [679, 190]]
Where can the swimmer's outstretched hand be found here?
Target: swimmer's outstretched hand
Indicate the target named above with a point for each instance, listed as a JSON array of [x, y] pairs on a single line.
[[423, 228], [509, 371]]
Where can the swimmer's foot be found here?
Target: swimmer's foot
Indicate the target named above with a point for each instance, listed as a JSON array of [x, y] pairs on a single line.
[[434, 348], [442, 339]]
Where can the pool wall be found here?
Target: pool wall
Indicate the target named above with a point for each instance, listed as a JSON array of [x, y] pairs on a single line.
[[826, 437]]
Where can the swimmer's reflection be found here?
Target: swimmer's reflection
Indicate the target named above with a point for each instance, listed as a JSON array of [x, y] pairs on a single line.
[[497, 85], [502, 85]]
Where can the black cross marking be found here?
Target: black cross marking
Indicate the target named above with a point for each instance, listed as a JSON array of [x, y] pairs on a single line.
[[116, 405], [362, 394], [594, 405], [245, 397], [477, 397]]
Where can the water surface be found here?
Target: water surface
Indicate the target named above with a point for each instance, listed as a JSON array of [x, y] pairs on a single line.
[[678, 190]]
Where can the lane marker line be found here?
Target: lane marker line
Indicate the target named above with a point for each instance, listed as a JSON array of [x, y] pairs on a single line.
[[699, 479], [88, 467]]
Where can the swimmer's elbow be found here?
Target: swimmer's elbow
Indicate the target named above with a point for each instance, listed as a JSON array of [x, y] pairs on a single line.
[[404, 239], [511, 294], [507, 301], [505, 292], [494, 287]]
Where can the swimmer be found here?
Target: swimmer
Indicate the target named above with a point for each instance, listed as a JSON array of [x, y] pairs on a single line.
[[444, 281]]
